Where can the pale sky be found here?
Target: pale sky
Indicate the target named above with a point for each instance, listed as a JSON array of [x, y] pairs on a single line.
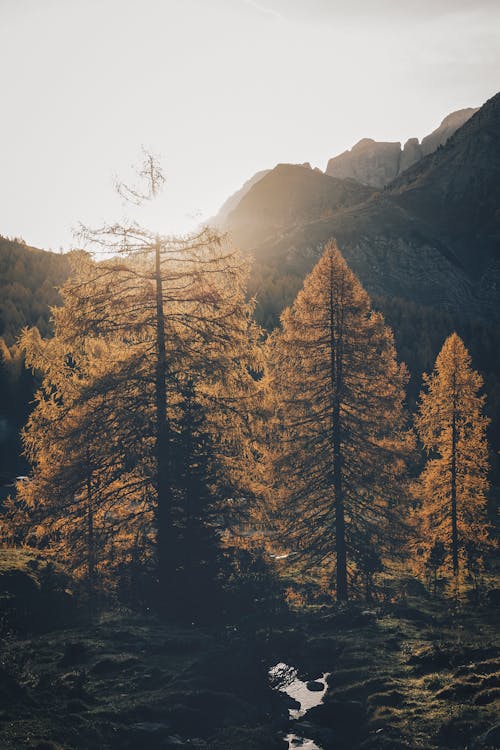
[[220, 89]]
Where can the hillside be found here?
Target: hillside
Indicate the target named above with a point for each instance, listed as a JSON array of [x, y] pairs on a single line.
[[29, 279], [231, 203], [287, 198], [431, 237], [456, 191]]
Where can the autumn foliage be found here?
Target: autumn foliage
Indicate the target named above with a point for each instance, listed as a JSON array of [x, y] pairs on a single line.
[[453, 486], [339, 393], [175, 451], [95, 498]]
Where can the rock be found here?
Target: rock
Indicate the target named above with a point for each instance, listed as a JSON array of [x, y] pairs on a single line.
[[370, 162], [415, 587], [233, 200], [321, 735], [407, 612], [286, 701], [35, 596], [411, 153], [377, 163], [346, 717], [315, 686]]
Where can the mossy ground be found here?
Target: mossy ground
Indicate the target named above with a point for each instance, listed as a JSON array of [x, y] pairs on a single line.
[[131, 682], [420, 674], [423, 674]]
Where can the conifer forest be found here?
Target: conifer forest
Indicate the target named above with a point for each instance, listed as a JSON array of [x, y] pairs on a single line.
[[249, 472]]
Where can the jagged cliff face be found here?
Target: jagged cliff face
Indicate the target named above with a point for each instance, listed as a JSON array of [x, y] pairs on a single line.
[[377, 163], [372, 163], [369, 162], [432, 237]]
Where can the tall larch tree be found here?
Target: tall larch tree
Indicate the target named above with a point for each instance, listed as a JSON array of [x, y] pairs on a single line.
[[147, 382], [339, 394], [180, 304], [208, 343], [454, 484]]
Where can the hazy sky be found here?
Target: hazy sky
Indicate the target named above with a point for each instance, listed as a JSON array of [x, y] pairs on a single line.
[[219, 88]]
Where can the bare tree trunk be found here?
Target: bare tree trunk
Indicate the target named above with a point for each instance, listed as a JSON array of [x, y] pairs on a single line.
[[90, 538], [454, 527], [164, 540], [336, 384]]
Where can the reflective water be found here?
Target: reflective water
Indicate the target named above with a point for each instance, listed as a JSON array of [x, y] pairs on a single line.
[[300, 743], [283, 677]]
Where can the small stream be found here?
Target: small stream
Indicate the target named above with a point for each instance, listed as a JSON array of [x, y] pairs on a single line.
[[283, 677]]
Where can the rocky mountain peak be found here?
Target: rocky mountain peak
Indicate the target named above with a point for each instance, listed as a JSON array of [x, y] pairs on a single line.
[[377, 163]]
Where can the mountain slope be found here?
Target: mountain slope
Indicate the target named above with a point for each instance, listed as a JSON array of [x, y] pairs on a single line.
[[426, 249], [29, 279], [431, 237], [233, 200], [457, 190], [286, 198], [448, 126]]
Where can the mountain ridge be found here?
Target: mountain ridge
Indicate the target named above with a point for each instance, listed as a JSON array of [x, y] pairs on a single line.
[[377, 163], [399, 160], [402, 241]]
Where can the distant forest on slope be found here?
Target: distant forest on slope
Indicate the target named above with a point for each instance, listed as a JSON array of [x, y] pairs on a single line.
[[29, 282]]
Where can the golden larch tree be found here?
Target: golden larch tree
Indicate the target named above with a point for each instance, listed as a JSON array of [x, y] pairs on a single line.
[[93, 439], [454, 484], [339, 394]]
